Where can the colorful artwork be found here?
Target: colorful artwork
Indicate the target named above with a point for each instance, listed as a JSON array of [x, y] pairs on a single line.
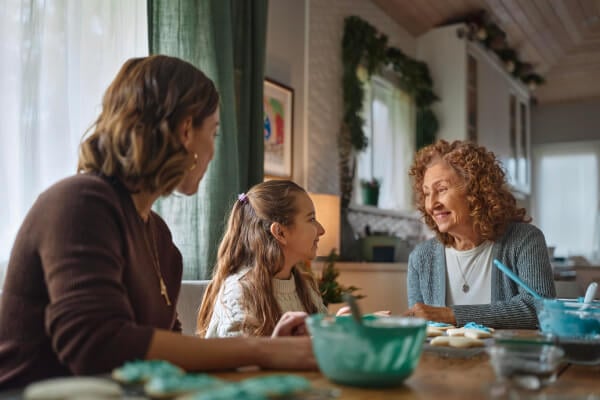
[[278, 129]]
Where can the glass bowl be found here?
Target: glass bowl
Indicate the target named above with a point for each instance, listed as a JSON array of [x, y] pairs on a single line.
[[527, 363], [381, 352]]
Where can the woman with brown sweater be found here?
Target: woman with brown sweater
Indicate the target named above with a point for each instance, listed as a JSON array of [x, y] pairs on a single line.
[[94, 276]]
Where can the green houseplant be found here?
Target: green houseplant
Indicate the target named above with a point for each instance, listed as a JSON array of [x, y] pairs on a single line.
[[370, 191], [330, 289]]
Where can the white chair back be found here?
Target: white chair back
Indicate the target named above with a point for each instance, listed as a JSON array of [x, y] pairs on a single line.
[[188, 304]]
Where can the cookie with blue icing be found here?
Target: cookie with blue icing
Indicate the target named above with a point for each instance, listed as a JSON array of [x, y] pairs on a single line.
[[258, 388], [144, 370], [437, 328], [472, 330], [176, 385]]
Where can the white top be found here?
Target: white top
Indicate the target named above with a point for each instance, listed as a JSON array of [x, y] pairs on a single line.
[[472, 267], [228, 314]]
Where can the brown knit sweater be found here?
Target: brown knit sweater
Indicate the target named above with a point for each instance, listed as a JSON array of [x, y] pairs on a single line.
[[81, 294]]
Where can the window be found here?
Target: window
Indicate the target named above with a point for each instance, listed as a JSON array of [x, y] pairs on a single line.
[[389, 125], [56, 60], [565, 202]]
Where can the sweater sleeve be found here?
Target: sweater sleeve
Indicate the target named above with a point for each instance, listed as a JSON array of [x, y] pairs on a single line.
[[412, 280], [524, 251], [89, 318], [228, 315]]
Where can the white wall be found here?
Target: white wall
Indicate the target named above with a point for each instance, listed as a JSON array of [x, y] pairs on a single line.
[[285, 63], [565, 122], [304, 40]]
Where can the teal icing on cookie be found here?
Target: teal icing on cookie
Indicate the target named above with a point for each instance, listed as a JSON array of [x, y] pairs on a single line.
[[259, 388], [227, 392], [276, 385], [438, 324], [181, 383], [474, 325], [140, 370]]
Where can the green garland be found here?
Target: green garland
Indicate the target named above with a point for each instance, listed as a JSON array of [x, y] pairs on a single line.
[[363, 45]]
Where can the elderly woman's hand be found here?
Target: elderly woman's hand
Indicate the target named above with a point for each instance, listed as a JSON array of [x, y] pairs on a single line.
[[431, 313]]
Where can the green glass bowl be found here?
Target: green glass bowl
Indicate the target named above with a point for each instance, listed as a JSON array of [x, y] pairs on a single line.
[[381, 352]]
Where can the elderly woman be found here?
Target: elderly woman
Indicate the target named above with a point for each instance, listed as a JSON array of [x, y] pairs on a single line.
[[94, 276], [463, 196]]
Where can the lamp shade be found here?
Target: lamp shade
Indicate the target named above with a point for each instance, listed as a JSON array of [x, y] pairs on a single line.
[[327, 209]]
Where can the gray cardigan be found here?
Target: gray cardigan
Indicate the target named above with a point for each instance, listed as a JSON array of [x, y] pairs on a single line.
[[522, 248]]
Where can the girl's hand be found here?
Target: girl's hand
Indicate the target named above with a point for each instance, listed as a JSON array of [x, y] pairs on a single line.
[[291, 323]]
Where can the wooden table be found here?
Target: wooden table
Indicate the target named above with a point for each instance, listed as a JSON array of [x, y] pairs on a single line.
[[451, 378], [440, 378]]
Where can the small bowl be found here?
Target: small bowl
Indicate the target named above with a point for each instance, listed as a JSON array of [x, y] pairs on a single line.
[[527, 363], [569, 318], [381, 352]]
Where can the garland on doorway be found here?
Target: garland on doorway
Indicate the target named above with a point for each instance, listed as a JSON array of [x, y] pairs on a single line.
[[364, 52]]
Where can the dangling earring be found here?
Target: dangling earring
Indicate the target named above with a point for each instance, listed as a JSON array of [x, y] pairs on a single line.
[[193, 167]]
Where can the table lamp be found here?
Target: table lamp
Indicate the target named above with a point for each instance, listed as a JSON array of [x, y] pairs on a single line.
[[327, 208]]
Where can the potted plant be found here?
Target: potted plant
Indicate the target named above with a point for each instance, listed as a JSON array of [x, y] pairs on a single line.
[[370, 191], [330, 289]]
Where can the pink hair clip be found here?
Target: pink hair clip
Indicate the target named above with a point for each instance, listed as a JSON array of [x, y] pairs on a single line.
[[243, 198]]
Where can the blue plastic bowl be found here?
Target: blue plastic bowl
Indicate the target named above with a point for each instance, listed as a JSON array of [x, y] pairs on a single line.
[[568, 318], [383, 352]]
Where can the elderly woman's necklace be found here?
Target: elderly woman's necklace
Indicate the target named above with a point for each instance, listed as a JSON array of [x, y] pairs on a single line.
[[155, 260], [465, 286]]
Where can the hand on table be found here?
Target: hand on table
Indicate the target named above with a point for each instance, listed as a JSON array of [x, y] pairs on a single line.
[[432, 313], [291, 323]]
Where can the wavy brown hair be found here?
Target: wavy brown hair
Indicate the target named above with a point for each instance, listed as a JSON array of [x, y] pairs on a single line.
[[492, 206], [135, 138], [248, 242]]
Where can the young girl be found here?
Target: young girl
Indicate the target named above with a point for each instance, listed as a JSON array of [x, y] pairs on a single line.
[[271, 229]]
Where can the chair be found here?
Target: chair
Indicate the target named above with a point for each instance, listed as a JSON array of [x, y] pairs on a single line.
[[188, 304]]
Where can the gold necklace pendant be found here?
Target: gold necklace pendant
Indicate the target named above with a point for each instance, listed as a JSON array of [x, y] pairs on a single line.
[[163, 291], [155, 260]]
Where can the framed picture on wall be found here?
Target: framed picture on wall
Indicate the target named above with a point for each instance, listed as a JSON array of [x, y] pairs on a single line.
[[278, 119]]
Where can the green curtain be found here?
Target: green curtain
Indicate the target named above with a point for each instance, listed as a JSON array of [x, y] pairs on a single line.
[[226, 39]]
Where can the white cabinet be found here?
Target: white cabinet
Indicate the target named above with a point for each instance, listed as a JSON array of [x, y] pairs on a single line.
[[480, 100]]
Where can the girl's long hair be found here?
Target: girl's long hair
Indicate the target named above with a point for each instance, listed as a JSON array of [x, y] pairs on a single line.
[[248, 242], [135, 138]]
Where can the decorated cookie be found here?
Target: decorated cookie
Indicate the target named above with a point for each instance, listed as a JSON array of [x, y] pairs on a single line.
[[476, 326], [72, 387], [276, 385], [142, 371], [440, 325], [433, 332], [472, 330], [226, 392], [177, 385], [259, 388], [456, 341]]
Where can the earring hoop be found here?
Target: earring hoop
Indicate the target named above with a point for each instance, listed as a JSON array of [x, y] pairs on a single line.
[[193, 167]]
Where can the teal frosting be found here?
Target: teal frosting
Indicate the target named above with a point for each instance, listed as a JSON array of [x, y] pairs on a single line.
[[181, 383], [259, 388], [228, 392], [438, 324], [474, 325], [142, 370], [278, 385]]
